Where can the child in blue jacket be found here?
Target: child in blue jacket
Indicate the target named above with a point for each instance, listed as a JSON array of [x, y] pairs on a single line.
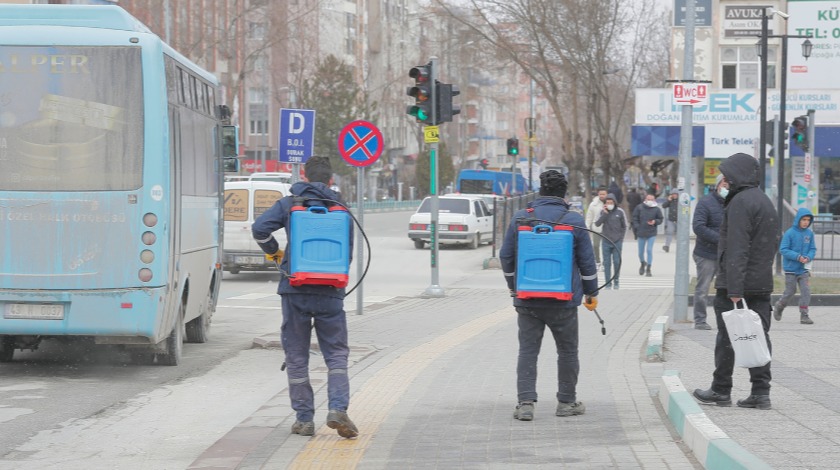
[[798, 250]]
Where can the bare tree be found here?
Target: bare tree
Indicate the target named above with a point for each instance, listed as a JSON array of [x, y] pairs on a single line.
[[586, 55]]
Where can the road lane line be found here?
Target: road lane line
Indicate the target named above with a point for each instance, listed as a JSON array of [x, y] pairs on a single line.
[[372, 404]]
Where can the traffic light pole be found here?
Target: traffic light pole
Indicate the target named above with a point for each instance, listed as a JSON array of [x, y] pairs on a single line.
[[434, 290]]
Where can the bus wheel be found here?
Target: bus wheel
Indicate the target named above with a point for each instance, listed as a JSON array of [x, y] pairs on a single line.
[[419, 244], [198, 329], [7, 348], [174, 343]]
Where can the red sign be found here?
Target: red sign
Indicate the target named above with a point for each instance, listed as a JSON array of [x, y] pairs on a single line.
[[690, 93], [360, 143], [799, 68]]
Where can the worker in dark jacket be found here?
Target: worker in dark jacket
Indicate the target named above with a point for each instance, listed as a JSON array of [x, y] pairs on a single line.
[[306, 305], [749, 239], [706, 225], [560, 316]]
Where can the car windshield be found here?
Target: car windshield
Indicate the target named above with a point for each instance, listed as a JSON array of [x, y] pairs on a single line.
[[453, 206]]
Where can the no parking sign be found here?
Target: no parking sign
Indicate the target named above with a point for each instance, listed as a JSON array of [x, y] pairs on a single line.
[[360, 143]]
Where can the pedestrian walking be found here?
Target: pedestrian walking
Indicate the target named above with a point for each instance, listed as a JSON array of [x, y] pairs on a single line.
[[614, 226], [646, 218], [749, 238], [306, 306], [706, 225], [798, 250], [672, 209], [592, 213], [615, 190], [560, 316]]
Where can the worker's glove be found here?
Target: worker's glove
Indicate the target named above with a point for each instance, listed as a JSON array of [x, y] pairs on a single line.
[[590, 302], [276, 257]]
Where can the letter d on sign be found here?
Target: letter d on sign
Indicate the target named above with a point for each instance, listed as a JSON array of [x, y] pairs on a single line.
[[296, 123]]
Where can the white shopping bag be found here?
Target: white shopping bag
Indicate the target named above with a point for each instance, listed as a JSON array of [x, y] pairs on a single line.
[[747, 337]]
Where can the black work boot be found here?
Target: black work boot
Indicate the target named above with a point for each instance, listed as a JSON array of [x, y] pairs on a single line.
[[711, 397], [762, 402], [642, 268], [647, 271]]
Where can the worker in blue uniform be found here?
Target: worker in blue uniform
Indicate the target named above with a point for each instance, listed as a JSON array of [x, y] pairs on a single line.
[[560, 316], [306, 306]]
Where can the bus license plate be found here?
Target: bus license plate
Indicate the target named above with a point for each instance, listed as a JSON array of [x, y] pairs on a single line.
[[34, 311], [250, 259]]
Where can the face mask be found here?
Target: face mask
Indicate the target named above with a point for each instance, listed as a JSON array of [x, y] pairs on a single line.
[[650, 203], [610, 207], [723, 192]]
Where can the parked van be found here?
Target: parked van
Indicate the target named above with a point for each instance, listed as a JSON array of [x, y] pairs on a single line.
[[244, 202]]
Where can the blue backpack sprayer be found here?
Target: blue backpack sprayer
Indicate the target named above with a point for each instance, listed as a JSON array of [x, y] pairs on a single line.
[[544, 262]]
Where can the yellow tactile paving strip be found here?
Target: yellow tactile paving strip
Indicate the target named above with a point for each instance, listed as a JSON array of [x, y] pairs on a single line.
[[371, 405]]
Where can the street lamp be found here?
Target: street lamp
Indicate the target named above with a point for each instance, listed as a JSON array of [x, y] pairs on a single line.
[[779, 144]]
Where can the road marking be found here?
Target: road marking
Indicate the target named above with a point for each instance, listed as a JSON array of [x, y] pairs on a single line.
[[381, 392], [252, 296]]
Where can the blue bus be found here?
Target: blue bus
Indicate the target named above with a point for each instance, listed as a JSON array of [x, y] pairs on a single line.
[[110, 184], [498, 183]]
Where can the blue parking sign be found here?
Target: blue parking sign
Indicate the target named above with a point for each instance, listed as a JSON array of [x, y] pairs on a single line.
[[297, 133]]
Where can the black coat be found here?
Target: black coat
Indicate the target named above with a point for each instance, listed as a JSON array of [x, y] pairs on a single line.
[[749, 234], [706, 225], [641, 215]]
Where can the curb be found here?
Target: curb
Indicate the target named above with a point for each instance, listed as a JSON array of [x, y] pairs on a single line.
[[817, 300], [656, 338], [712, 447]]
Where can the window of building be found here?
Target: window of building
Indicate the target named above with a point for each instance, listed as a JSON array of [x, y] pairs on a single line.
[[258, 127], [256, 30], [740, 67], [256, 95], [350, 42]]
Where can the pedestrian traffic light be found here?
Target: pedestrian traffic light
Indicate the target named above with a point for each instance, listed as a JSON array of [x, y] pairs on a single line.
[[422, 94], [447, 109], [484, 163], [800, 132], [513, 146]]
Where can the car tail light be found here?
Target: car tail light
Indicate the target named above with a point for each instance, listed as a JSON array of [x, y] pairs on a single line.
[[418, 227], [457, 228]]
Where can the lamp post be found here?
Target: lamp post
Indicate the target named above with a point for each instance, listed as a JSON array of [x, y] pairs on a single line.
[[779, 144]]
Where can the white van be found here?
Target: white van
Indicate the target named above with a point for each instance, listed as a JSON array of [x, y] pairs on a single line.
[[244, 202]]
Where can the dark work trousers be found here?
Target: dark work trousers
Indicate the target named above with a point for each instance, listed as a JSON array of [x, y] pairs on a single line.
[[725, 355], [300, 313], [563, 323]]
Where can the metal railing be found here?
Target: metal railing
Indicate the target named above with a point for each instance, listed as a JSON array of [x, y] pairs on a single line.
[[826, 228]]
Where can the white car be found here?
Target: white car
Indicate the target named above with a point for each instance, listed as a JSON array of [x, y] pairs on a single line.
[[461, 219]]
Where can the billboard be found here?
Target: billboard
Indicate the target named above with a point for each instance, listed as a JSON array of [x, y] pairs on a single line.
[[821, 20]]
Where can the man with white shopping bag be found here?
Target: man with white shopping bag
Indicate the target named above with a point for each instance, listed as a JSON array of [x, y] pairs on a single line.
[[749, 238]]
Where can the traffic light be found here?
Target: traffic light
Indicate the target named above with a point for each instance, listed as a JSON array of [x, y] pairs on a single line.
[[513, 146], [422, 94], [484, 163], [447, 109], [800, 132]]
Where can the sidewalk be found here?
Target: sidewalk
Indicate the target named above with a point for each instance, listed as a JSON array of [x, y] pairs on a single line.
[[433, 386]]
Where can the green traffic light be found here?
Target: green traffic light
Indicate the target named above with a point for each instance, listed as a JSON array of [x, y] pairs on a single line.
[[514, 151], [419, 113]]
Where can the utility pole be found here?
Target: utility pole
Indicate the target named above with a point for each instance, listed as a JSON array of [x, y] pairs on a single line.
[[683, 182]]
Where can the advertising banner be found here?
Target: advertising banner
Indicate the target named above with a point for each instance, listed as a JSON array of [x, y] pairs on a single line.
[[654, 106], [821, 20]]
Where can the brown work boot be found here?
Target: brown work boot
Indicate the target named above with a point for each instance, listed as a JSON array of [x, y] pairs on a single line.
[[338, 420]]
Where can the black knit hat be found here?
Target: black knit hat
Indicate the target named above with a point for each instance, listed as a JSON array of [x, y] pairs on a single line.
[[553, 183]]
